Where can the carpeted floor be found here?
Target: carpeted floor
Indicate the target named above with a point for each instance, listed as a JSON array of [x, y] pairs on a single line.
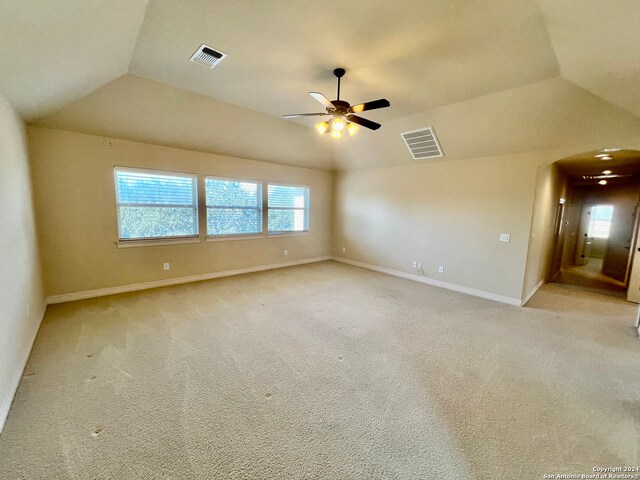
[[589, 277], [326, 371]]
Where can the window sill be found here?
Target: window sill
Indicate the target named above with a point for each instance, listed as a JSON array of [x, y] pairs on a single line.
[[288, 234], [227, 238], [156, 242]]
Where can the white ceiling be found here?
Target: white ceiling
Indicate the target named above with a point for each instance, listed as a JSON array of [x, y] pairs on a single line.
[[137, 109], [547, 115], [417, 54], [436, 61], [598, 46], [55, 52]]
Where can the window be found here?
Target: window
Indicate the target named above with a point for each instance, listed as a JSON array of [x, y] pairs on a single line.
[[154, 205], [288, 208], [600, 221], [234, 207]]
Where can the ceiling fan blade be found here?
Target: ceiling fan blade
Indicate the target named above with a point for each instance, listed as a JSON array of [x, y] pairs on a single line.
[[363, 122], [322, 99], [363, 107], [293, 115]]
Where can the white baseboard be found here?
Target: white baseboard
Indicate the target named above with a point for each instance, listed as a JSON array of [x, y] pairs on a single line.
[[532, 293], [100, 292], [13, 387], [435, 283]]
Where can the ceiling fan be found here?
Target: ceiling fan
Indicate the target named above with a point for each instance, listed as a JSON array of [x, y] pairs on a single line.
[[342, 112]]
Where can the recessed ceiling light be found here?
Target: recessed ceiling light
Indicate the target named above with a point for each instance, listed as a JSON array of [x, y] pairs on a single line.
[[602, 182], [607, 172], [600, 155], [611, 150], [607, 157]]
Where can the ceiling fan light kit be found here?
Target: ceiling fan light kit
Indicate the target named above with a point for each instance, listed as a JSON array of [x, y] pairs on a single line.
[[342, 113]]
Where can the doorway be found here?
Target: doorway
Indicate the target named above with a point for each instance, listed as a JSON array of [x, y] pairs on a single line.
[[590, 202], [601, 225], [600, 246], [597, 260], [585, 225]]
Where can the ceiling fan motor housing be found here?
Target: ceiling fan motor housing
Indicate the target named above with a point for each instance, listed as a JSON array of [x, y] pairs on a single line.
[[342, 107]]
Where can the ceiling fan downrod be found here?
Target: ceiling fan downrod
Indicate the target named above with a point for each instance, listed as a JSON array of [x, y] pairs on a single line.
[[339, 72]]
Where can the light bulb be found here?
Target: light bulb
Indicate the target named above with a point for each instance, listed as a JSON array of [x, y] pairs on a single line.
[[352, 128], [602, 182], [336, 134], [606, 158], [607, 172], [338, 125], [322, 127]]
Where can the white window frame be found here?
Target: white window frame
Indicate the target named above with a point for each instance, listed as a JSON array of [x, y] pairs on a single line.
[[288, 233], [149, 241], [232, 236]]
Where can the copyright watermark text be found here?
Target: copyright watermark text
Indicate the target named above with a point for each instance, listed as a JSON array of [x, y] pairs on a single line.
[[629, 473]]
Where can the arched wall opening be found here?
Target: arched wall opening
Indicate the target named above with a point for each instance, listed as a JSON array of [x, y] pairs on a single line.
[[585, 223]]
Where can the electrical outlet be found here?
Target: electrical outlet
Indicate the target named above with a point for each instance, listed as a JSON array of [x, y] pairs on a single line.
[[344, 250], [414, 264], [505, 237], [166, 266], [440, 269], [419, 265], [286, 252]]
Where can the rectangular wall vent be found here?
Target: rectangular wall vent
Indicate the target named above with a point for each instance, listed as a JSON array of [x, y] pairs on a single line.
[[207, 56], [422, 143]]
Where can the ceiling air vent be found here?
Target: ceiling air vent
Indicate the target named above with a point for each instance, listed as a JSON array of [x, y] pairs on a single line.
[[422, 143], [207, 56]]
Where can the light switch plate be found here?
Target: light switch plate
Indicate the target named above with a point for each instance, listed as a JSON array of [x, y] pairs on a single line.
[[505, 237]]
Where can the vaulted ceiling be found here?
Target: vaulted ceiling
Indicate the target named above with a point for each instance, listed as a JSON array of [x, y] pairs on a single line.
[[52, 53], [491, 77]]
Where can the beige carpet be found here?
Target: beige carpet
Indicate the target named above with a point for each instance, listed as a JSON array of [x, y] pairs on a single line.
[[326, 371], [590, 277]]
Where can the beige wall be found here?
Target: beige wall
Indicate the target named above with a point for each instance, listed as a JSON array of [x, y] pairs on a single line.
[[573, 217], [75, 205], [624, 199], [448, 213], [451, 213], [21, 293], [598, 247], [551, 185]]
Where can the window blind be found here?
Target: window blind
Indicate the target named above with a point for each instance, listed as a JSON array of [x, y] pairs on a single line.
[[154, 204], [288, 208], [234, 207]]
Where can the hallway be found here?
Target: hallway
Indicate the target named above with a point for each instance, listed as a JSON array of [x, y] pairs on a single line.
[[589, 277]]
